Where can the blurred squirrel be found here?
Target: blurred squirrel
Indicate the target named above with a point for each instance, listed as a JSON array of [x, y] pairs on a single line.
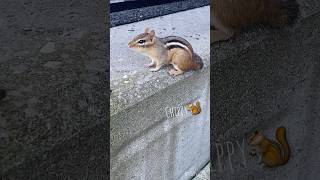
[[168, 50], [272, 153], [195, 109], [229, 16]]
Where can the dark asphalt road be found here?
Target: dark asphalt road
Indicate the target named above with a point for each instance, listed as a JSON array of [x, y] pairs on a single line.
[[129, 16]]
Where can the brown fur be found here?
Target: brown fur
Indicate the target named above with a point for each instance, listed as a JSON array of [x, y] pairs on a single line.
[[237, 13], [229, 16], [273, 154], [182, 59], [154, 47]]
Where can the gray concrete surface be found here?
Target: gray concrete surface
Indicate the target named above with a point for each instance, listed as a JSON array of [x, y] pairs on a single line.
[[53, 64], [261, 80], [204, 174], [145, 143], [128, 71]]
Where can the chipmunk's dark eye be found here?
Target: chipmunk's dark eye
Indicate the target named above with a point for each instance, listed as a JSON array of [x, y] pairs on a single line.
[[256, 132], [141, 41]]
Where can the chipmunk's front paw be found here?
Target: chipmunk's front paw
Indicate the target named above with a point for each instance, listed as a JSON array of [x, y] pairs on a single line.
[[149, 65], [154, 69]]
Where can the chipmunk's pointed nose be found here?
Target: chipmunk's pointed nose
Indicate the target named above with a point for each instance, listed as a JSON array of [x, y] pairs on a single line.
[[130, 45]]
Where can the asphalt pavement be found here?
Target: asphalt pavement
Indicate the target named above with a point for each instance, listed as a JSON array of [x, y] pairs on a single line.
[[134, 15]]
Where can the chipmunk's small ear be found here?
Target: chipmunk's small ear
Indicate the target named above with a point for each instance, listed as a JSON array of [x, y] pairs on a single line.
[[146, 30], [152, 33], [256, 132]]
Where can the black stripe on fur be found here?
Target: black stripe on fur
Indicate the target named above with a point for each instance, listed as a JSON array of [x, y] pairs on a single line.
[[175, 46]]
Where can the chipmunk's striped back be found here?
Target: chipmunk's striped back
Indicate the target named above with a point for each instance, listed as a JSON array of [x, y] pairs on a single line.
[[171, 42], [177, 42]]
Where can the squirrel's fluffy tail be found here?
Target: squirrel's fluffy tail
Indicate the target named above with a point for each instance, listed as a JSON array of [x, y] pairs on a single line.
[[198, 63], [292, 10], [281, 137]]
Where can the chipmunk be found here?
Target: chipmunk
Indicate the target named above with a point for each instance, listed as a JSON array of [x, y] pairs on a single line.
[[272, 153], [169, 50], [195, 109], [3, 94], [230, 16]]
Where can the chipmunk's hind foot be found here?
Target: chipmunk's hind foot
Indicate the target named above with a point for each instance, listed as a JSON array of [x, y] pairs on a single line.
[[175, 71], [157, 68]]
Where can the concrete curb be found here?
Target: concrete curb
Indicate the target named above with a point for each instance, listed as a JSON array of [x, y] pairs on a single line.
[[145, 143]]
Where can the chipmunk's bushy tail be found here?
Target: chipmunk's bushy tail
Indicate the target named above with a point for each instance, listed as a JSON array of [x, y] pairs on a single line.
[[281, 137], [198, 63], [292, 9]]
